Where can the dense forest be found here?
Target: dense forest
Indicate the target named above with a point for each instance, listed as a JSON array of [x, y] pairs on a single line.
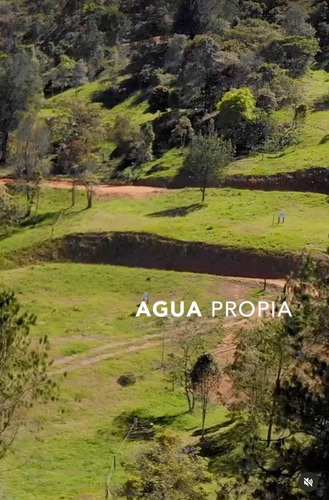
[[202, 65], [157, 93]]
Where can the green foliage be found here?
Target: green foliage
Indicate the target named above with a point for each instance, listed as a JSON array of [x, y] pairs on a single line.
[[202, 79], [159, 99], [68, 74], [124, 133], [24, 368], [167, 471], [235, 106], [204, 378], [31, 146], [110, 20], [251, 35], [19, 83], [80, 130], [191, 344], [283, 372], [294, 53], [183, 132], [9, 210], [206, 158], [134, 143], [175, 53], [294, 21]]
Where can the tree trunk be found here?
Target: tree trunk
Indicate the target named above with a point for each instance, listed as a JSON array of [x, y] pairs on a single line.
[[275, 393], [204, 185], [89, 193], [190, 398], [73, 193], [37, 200], [203, 191], [4, 147], [188, 391], [204, 414]]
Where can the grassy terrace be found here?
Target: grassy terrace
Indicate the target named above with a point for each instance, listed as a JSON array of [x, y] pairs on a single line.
[[230, 217], [103, 304]]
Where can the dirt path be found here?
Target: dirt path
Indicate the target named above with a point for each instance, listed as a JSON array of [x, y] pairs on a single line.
[[224, 352], [109, 350], [101, 190]]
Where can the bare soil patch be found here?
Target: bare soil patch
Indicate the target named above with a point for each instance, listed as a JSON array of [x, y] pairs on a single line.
[[101, 190]]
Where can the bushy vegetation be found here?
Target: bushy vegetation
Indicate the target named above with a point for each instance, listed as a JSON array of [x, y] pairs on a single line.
[[198, 59]]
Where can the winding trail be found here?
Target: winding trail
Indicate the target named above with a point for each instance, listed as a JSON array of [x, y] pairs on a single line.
[[224, 352]]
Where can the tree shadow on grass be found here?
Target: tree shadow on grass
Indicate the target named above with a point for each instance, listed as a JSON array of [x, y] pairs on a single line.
[[139, 424], [324, 139], [30, 222], [156, 168], [213, 428], [116, 94], [177, 212], [321, 104], [34, 220]]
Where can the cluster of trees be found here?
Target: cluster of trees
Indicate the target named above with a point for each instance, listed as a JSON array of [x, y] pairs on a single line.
[[280, 417], [134, 144], [281, 379], [235, 61]]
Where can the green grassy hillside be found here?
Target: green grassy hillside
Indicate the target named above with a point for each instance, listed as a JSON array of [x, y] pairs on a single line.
[[84, 308], [310, 152], [230, 217]]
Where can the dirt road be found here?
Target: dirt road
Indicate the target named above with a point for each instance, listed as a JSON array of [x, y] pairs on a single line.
[[101, 190]]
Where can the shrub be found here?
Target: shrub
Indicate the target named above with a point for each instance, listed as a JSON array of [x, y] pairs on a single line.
[[159, 99], [126, 380]]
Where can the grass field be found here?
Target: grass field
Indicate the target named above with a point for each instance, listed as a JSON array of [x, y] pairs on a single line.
[[230, 217], [92, 304], [71, 455], [87, 306]]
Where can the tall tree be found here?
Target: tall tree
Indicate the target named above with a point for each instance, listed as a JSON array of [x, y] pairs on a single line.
[[199, 16], [24, 368], [79, 128], [206, 72], [19, 83], [191, 345], [31, 147], [206, 159], [204, 376], [293, 53], [294, 21], [260, 368], [294, 401]]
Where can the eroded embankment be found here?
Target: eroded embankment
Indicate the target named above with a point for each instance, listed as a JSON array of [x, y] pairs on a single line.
[[155, 252], [314, 180]]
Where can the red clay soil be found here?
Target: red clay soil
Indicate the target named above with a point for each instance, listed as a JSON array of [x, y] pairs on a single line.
[[151, 251], [314, 180], [101, 190]]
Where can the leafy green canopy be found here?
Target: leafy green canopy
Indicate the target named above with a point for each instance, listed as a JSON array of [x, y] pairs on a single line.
[[236, 105], [24, 366]]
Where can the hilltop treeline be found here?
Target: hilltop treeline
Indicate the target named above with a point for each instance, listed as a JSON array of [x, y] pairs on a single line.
[[204, 64]]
